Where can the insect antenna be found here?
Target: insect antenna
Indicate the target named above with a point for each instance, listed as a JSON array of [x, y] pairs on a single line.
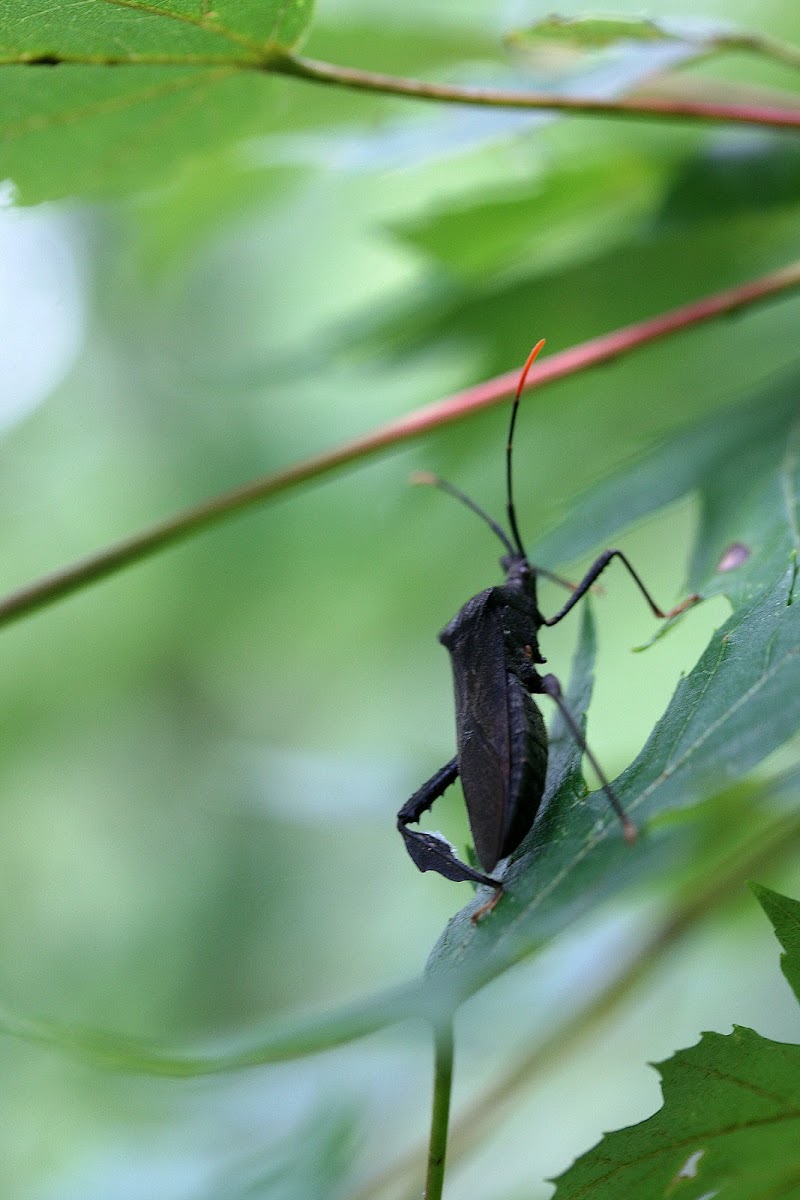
[[425, 477], [512, 515]]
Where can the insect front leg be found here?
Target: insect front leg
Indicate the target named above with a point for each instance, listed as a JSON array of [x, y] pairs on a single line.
[[429, 852], [597, 569], [551, 687]]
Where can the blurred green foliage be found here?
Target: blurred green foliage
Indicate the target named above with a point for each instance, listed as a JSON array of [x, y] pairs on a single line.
[[203, 757]]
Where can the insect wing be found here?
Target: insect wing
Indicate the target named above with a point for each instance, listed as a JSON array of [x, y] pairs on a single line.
[[475, 641]]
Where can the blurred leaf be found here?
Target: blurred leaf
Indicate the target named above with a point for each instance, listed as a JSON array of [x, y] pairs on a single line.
[[555, 35], [648, 266], [583, 200], [172, 86], [784, 913], [206, 194], [729, 1125], [311, 1164], [590, 33], [733, 174], [282, 1039], [450, 130], [568, 212], [743, 462]]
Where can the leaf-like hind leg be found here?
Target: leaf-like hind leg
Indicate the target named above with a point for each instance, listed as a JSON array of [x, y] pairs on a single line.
[[552, 688], [427, 851]]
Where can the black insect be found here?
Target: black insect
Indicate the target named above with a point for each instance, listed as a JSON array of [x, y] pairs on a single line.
[[502, 741]]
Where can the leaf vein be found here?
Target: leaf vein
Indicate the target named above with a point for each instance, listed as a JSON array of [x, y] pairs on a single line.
[[789, 471], [204, 21], [43, 121], [690, 1141], [745, 1085]]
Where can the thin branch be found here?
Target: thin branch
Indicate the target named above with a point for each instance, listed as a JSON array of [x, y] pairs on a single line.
[[119, 555], [276, 61], [775, 116]]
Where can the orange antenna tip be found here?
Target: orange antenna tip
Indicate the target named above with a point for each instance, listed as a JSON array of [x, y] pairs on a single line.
[[530, 360], [425, 477]]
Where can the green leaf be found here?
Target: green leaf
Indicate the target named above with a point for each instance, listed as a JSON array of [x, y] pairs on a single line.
[[733, 174], [555, 35], [739, 703], [125, 32], [784, 914], [96, 131], [311, 1162], [744, 462], [598, 194], [729, 1126], [568, 212], [564, 759], [589, 33], [278, 1040], [123, 92], [586, 293]]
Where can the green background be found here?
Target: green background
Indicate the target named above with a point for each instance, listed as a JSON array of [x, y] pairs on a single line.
[[202, 758]]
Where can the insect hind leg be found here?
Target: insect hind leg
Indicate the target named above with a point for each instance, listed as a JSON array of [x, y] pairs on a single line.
[[427, 851], [552, 688]]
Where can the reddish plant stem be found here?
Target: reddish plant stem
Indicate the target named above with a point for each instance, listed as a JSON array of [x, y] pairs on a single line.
[[277, 61], [50, 588], [775, 116]]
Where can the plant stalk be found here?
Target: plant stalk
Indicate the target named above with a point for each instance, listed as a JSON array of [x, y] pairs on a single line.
[[775, 843], [250, 56], [440, 1113], [771, 115]]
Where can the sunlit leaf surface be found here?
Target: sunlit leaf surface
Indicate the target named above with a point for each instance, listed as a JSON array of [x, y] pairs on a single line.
[[100, 97]]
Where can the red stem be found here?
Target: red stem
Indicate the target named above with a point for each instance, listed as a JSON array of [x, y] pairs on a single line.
[[115, 557], [776, 116]]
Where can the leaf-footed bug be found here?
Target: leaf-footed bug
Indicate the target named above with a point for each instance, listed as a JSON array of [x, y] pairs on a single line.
[[493, 643]]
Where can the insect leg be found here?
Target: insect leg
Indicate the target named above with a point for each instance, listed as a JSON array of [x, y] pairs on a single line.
[[596, 569], [551, 687], [427, 851]]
